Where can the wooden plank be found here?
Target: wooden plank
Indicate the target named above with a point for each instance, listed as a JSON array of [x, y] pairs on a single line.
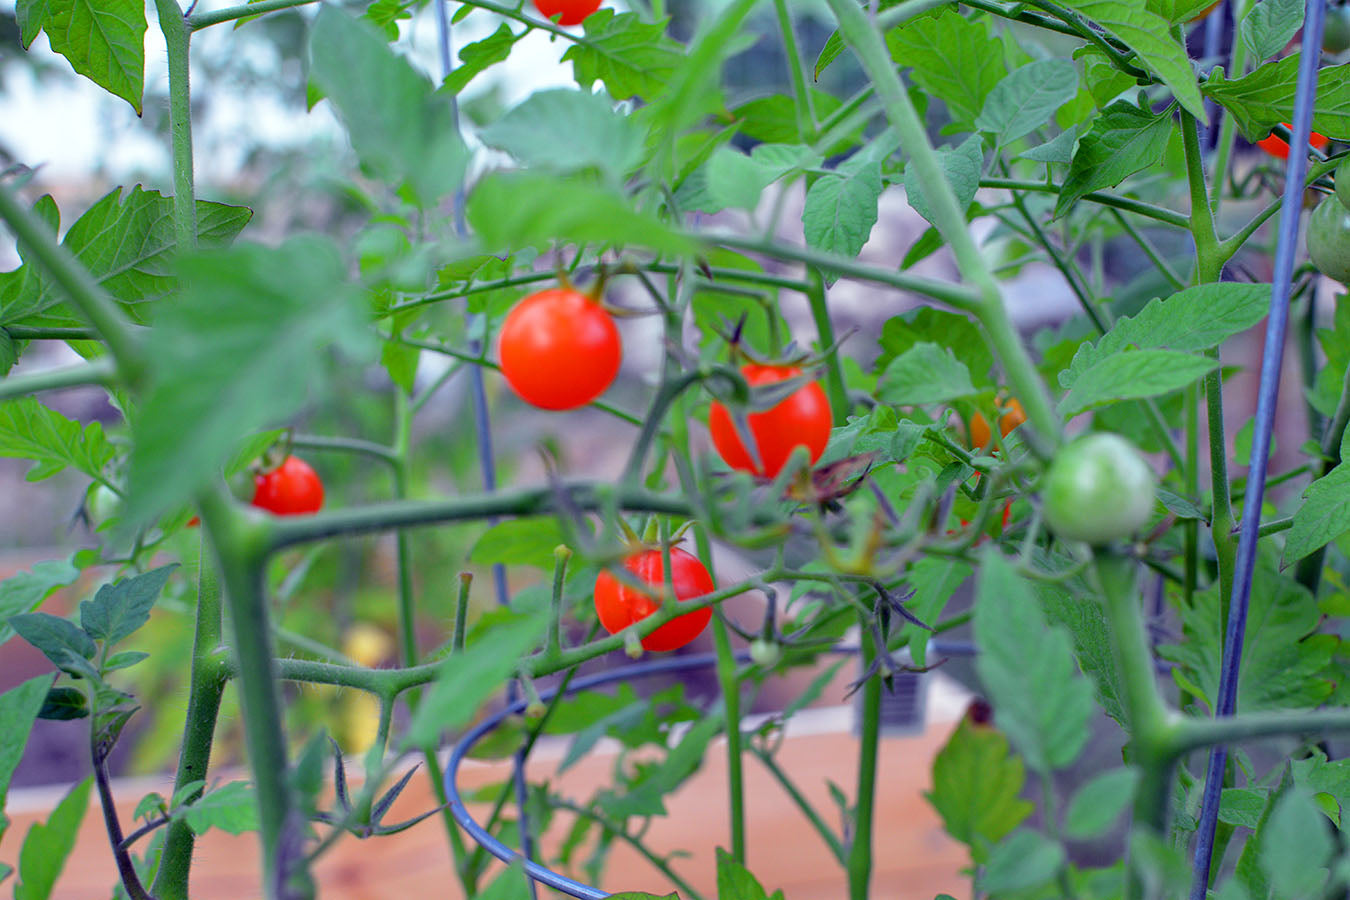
[[914, 859]]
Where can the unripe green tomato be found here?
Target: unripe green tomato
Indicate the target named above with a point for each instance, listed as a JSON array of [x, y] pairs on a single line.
[[765, 653], [1328, 239], [101, 504], [1343, 182], [1098, 489], [1336, 31]]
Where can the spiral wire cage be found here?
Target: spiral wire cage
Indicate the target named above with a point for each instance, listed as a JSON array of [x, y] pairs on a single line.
[[1267, 397]]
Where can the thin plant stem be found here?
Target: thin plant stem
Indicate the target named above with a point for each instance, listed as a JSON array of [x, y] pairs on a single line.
[[831, 840], [859, 862]]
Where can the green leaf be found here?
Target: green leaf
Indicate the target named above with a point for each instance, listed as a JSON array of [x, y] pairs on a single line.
[[1059, 149], [925, 373], [1023, 860], [841, 208], [633, 58], [1323, 779], [1323, 517], [23, 592], [1123, 140], [509, 210], [47, 845], [1028, 98], [32, 15], [567, 131], [732, 179], [953, 58], [1296, 848], [1241, 806], [1149, 35], [401, 131], [1098, 804], [466, 680], [477, 57], [1027, 669], [1197, 318], [1132, 375], [962, 167], [232, 808], [9, 349], [63, 704], [511, 884], [119, 609], [977, 786], [243, 346], [526, 541], [1264, 98], [53, 443], [734, 881], [1269, 26], [934, 581], [647, 798], [126, 240], [938, 326], [19, 706], [1285, 665], [1086, 623], [103, 41], [62, 642]]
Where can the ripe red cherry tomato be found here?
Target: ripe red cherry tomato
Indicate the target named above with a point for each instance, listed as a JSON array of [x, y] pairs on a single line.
[[559, 349], [620, 605], [802, 418], [291, 489], [1277, 147], [573, 11]]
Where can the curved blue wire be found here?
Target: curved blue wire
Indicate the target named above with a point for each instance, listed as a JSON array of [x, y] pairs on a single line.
[[1271, 362], [542, 874]]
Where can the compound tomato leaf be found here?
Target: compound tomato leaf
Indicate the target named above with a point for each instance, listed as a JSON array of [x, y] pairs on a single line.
[[952, 57], [1022, 861], [1269, 25], [1027, 668], [1295, 846], [19, 707], [567, 131], [962, 167], [841, 209], [633, 58], [1028, 98], [53, 443], [1123, 140], [48, 844], [477, 57], [232, 808], [103, 41], [243, 346], [120, 608], [1264, 98], [23, 592], [402, 132], [1097, 804], [1323, 516], [925, 373], [734, 881], [977, 783], [1134, 375]]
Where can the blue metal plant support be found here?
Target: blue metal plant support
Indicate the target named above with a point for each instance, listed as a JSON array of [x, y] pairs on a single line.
[[1271, 362]]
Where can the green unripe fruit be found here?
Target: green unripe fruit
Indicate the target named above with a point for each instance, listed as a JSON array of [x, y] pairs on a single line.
[[1098, 489]]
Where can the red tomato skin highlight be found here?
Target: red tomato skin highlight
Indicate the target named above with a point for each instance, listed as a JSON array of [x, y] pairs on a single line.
[[619, 605], [803, 417], [1277, 147], [559, 349], [574, 12], [291, 489]]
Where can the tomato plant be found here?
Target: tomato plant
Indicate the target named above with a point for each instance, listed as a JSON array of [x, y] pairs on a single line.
[[559, 349], [747, 183], [619, 605], [291, 489], [801, 419]]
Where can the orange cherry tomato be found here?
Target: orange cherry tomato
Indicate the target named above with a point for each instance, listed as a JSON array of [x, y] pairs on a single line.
[[802, 418], [1279, 148], [980, 435], [619, 605], [291, 489], [570, 12], [559, 349]]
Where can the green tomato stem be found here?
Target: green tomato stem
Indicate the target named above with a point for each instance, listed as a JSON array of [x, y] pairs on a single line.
[[860, 844]]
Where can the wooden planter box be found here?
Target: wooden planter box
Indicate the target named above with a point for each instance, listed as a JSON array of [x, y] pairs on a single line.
[[914, 858]]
